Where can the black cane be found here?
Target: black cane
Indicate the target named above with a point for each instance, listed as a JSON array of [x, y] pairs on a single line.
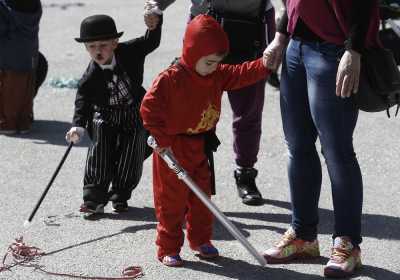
[[27, 222]]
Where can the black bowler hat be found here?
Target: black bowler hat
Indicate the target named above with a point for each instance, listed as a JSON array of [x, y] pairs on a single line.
[[98, 28]]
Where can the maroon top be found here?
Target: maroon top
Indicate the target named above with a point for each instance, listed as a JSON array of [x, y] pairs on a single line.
[[322, 17]]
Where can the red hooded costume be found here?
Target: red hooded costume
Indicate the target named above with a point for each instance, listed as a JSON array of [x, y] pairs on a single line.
[[179, 107]]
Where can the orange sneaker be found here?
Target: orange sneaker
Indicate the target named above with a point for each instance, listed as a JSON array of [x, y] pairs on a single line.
[[290, 247], [344, 260]]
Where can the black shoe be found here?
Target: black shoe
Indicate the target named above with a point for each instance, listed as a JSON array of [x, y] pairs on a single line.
[[120, 206], [246, 186], [273, 80], [90, 210]]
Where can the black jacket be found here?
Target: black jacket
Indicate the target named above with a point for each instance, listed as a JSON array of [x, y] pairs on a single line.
[[130, 57]]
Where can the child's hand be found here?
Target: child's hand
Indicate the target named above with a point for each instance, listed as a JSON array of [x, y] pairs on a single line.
[[75, 134], [151, 14], [151, 21]]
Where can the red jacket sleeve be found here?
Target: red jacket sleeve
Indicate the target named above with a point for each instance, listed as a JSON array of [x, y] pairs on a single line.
[[153, 111], [242, 75]]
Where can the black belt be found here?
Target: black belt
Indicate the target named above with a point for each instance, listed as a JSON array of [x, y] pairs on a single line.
[[211, 143]]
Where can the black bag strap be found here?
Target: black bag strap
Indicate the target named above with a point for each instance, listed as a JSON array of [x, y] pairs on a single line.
[[251, 10]]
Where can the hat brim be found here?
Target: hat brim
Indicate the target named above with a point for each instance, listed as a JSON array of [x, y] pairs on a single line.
[[99, 38]]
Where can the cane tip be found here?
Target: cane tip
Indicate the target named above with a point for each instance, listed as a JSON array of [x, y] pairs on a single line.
[[27, 224]]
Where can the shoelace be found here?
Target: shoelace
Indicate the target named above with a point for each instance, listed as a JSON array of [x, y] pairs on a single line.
[[340, 254], [287, 237]]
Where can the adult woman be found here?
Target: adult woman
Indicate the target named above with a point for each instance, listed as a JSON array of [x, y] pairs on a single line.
[[320, 75]]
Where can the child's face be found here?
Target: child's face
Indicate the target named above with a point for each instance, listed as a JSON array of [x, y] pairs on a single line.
[[102, 51], [208, 64]]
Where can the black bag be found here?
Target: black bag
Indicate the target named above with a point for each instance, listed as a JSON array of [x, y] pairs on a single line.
[[391, 41], [379, 87], [244, 23]]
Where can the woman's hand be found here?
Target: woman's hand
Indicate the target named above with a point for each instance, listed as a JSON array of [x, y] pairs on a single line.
[[272, 57], [348, 74]]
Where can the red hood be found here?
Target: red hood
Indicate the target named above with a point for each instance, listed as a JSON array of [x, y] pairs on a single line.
[[203, 36]]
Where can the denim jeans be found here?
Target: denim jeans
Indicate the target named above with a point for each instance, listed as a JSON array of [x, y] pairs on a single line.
[[310, 110]]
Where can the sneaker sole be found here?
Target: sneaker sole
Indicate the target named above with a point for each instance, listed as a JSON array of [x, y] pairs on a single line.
[[254, 202], [272, 260], [331, 272], [120, 210], [89, 212], [336, 273], [86, 211], [172, 264], [208, 256]]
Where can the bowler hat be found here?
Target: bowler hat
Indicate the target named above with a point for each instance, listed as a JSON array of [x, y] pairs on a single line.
[[98, 28]]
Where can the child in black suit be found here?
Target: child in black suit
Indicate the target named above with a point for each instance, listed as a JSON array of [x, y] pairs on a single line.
[[107, 106]]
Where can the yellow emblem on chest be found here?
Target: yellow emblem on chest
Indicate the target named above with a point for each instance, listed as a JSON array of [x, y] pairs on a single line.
[[209, 118]]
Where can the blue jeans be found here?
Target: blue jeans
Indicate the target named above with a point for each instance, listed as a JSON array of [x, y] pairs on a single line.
[[310, 109]]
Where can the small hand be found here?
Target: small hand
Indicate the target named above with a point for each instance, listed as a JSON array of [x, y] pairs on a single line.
[[348, 74], [272, 56], [75, 134], [151, 21]]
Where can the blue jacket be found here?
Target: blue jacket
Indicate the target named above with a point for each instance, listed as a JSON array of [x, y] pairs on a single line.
[[19, 32]]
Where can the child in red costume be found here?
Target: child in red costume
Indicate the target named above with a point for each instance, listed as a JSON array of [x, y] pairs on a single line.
[[183, 104]]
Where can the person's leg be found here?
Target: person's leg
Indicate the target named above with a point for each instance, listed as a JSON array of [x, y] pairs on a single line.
[[304, 167], [26, 115], [335, 119], [129, 167], [170, 204], [199, 219], [16, 107], [247, 107], [4, 129], [100, 164]]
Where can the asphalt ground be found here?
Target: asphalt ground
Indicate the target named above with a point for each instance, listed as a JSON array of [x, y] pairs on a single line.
[[105, 246]]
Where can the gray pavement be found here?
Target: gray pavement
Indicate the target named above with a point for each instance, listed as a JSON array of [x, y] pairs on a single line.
[[104, 247]]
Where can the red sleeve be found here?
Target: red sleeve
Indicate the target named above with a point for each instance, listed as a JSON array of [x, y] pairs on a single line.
[[153, 110], [241, 75]]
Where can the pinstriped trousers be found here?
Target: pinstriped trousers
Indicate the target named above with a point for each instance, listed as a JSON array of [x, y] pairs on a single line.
[[115, 157]]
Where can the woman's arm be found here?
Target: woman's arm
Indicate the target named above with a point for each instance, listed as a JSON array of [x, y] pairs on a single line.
[[348, 74], [360, 14]]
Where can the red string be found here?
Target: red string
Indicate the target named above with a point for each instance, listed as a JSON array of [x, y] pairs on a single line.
[[28, 256]]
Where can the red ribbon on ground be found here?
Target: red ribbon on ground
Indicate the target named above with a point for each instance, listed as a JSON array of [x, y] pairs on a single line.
[[28, 256]]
